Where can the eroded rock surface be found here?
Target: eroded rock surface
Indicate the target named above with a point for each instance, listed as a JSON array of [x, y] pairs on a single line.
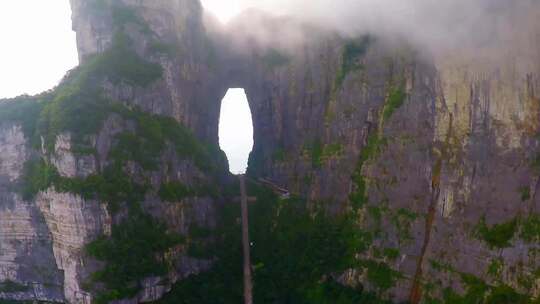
[[437, 156]]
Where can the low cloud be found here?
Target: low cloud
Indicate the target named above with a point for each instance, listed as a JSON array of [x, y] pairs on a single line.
[[434, 25]]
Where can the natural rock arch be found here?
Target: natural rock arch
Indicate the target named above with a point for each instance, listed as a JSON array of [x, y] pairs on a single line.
[[436, 158]]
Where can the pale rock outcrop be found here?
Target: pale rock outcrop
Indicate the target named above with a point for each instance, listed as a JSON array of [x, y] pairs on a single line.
[[13, 151], [26, 256], [67, 163], [73, 222]]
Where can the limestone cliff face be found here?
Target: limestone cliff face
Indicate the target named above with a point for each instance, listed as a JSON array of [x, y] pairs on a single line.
[[440, 174], [72, 222], [26, 254], [13, 152], [487, 116], [44, 237], [170, 33], [436, 157]]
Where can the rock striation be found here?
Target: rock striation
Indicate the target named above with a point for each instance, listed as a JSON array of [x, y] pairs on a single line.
[[436, 157]]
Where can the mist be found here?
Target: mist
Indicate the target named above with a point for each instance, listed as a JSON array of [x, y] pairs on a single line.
[[437, 26]]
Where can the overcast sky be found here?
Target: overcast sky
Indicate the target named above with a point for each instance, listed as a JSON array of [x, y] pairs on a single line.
[[37, 45], [224, 10]]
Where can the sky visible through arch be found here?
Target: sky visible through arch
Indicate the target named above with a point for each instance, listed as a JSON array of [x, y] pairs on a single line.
[[236, 130]]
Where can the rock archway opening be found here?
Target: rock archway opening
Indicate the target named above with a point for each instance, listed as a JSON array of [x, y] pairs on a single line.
[[236, 129]]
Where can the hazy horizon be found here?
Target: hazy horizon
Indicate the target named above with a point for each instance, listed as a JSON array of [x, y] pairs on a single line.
[[35, 58]]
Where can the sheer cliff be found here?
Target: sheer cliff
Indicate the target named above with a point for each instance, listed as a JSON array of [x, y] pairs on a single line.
[[413, 176]]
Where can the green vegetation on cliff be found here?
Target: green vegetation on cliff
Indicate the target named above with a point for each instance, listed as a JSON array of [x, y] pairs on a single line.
[[530, 228], [495, 268], [296, 255], [377, 265], [121, 14], [373, 147], [137, 245], [380, 274], [504, 294], [319, 153], [279, 155], [476, 290], [525, 193], [134, 251], [112, 186], [38, 176], [79, 106], [395, 100], [10, 286], [274, 58], [358, 196], [353, 52], [23, 110], [165, 49], [121, 64], [2, 301], [499, 235], [153, 134], [315, 151], [299, 253], [174, 192]]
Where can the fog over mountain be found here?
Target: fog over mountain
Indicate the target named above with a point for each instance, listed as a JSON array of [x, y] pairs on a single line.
[[436, 26]]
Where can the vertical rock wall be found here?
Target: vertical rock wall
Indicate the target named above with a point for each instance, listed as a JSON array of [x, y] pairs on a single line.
[[435, 156], [26, 255]]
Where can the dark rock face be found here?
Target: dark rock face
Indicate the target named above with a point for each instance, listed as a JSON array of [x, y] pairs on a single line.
[[435, 156], [451, 181]]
